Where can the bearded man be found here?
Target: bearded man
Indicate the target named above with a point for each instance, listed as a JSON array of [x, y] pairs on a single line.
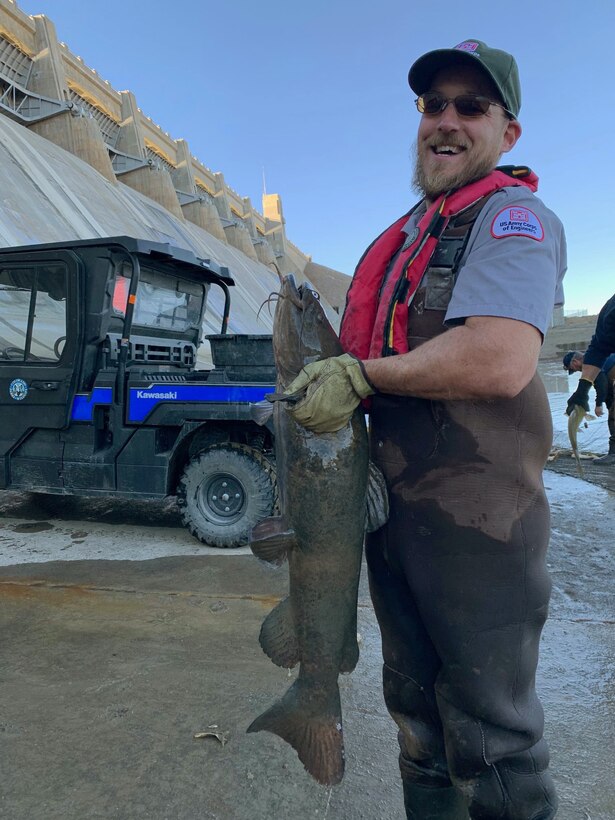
[[443, 325]]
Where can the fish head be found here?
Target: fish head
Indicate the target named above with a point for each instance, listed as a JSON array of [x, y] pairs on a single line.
[[302, 332]]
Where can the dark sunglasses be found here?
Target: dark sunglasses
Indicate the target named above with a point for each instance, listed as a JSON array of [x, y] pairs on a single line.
[[466, 105]]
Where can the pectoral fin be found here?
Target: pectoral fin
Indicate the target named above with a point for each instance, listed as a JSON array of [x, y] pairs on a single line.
[[261, 412]]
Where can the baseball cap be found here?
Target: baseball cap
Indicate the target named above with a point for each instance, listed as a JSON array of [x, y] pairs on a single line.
[[568, 357], [499, 66]]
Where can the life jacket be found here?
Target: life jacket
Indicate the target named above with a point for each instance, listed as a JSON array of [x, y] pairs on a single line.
[[375, 320]]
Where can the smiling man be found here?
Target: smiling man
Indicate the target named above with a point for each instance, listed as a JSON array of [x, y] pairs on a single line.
[[443, 325]]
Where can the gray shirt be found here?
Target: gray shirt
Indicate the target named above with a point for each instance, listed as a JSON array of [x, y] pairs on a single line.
[[513, 264]]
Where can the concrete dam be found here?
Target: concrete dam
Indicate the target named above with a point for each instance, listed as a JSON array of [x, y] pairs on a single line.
[[79, 159]]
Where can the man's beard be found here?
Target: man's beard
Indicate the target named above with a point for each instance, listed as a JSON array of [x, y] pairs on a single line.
[[436, 183]]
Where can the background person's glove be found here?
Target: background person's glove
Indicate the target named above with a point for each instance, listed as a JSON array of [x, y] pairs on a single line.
[[580, 396], [333, 389]]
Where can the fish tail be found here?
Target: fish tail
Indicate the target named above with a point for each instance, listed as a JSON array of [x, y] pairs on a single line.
[[311, 727], [277, 636]]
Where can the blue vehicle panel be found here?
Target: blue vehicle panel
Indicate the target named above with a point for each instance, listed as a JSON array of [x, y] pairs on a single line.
[[142, 400]]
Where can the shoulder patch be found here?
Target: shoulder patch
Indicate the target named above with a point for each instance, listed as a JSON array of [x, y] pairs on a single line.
[[517, 221]]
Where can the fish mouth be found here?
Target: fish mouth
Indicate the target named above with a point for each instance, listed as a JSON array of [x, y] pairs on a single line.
[[301, 296], [291, 292], [296, 329]]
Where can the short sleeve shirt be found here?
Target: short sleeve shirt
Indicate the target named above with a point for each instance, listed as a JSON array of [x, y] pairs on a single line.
[[513, 264]]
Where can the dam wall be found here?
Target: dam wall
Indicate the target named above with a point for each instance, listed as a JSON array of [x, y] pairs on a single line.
[[50, 92]]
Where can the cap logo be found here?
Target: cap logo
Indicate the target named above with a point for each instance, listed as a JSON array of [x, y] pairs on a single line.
[[467, 45]]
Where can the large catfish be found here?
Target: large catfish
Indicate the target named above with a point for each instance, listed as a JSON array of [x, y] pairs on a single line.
[[322, 481]]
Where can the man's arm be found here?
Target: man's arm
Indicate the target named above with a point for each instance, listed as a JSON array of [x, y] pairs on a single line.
[[590, 372], [486, 358], [601, 345]]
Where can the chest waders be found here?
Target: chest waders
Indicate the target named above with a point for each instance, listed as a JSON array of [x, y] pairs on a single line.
[[459, 582]]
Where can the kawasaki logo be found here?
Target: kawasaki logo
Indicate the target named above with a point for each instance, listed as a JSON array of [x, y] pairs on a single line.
[[146, 394]]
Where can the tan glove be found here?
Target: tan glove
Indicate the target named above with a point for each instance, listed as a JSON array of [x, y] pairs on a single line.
[[333, 389]]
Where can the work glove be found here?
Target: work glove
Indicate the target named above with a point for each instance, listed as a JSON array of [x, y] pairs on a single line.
[[580, 396], [327, 393]]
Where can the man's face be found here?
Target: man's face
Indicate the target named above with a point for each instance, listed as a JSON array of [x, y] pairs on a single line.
[[453, 150]]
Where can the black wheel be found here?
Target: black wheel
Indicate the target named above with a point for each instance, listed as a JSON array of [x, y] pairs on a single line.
[[224, 492]]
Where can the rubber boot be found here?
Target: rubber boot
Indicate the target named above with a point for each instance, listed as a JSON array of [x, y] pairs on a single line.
[[427, 803], [609, 458], [429, 793]]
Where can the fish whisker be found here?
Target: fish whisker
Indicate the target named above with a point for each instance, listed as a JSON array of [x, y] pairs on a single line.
[[273, 297]]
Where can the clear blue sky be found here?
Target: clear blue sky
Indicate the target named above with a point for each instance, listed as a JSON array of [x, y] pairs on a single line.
[[316, 94]]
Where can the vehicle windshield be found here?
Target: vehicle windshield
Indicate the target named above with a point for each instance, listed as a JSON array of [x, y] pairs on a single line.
[[164, 302]]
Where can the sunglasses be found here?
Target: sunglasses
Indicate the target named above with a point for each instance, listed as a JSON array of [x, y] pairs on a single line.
[[466, 105]]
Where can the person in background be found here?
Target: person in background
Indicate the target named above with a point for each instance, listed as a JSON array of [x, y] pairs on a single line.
[[599, 358], [443, 325], [573, 363]]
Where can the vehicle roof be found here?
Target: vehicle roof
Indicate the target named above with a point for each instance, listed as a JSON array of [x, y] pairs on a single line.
[[142, 247]]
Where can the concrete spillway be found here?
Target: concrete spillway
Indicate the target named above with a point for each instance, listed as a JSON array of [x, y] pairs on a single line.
[[49, 195]]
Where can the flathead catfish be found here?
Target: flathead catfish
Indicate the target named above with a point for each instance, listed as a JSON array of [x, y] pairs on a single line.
[[322, 481], [577, 417]]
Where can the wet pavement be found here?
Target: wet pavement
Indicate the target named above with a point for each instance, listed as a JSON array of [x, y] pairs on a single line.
[[110, 667]]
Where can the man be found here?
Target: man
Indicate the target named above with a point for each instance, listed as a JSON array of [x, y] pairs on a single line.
[[594, 360], [573, 363], [443, 325]]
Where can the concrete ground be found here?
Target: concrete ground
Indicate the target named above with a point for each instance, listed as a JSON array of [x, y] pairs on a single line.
[[109, 668]]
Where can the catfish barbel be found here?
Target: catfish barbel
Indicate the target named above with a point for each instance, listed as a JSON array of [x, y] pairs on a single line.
[[322, 481]]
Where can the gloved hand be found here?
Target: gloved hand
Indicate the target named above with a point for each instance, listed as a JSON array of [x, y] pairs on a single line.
[[333, 389], [580, 396]]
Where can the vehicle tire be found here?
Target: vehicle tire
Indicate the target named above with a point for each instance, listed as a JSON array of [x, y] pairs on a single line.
[[225, 491]]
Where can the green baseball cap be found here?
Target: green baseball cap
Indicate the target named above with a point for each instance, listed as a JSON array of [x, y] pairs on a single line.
[[499, 66]]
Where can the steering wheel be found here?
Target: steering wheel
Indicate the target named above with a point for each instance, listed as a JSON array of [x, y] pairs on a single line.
[[5, 352], [56, 346]]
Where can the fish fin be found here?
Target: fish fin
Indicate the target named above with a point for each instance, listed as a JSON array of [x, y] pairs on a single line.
[[261, 412], [314, 730], [377, 499], [272, 539], [278, 638]]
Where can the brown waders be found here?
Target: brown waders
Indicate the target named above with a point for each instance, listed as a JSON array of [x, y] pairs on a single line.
[[460, 587]]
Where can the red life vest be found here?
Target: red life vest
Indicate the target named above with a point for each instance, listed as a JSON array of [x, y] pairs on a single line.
[[375, 323]]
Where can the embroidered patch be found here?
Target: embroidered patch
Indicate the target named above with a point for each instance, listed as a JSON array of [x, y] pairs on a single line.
[[517, 221]]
